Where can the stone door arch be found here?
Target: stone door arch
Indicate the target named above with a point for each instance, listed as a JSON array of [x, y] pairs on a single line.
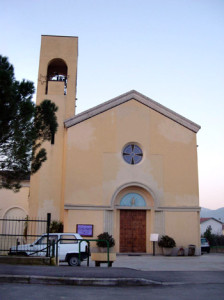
[[132, 223], [133, 205]]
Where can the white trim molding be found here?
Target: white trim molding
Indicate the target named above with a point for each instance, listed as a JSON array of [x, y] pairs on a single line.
[[113, 207], [179, 208], [132, 95], [86, 207]]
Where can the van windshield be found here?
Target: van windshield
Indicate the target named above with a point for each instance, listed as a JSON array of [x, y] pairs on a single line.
[[43, 239], [68, 239]]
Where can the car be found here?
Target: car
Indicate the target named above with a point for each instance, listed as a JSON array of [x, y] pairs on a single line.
[[205, 246], [67, 243]]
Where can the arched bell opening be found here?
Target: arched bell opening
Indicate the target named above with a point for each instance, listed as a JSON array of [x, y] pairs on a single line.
[[57, 71]]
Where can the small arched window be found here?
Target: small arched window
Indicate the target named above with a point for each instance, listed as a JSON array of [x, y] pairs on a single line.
[[133, 200], [57, 71]]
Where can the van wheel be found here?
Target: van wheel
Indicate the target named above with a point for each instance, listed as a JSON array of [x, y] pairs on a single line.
[[73, 261]]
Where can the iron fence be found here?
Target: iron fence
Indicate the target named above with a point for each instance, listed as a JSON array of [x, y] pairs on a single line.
[[17, 232]]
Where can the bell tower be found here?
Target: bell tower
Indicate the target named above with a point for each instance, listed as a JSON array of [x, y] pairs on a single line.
[[57, 79]]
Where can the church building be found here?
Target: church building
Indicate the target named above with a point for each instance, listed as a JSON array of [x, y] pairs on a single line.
[[127, 166]]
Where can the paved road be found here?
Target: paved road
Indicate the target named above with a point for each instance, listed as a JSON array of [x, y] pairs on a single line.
[[77, 272], [180, 292], [200, 269], [205, 262], [175, 277], [137, 270]]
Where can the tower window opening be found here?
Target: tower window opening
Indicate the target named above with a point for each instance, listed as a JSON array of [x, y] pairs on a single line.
[[57, 71]]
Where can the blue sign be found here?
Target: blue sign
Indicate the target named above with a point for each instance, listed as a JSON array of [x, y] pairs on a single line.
[[84, 229]]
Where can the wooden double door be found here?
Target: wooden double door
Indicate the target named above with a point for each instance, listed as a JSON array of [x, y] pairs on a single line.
[[132, 231]]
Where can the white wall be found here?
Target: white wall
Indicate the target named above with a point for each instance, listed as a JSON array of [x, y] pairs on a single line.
[[216, 226]]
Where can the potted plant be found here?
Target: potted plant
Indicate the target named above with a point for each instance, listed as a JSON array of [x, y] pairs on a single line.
[[99, 254], [167, 243], [56, 227]]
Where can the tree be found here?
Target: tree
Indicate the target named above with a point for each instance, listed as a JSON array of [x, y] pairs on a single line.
[[208, 235], [214, 239], [23, 128]]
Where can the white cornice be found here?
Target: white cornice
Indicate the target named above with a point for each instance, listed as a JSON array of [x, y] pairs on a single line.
[[86, 207], [179, 208], [159, 209], [127, 97]]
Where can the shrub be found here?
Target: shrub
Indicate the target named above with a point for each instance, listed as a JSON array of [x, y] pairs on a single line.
[[105, 236], [56, 226], [166, 242], [219, 240], [214, 239]]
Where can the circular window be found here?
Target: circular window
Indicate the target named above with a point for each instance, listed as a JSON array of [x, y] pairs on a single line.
[[132, 154]]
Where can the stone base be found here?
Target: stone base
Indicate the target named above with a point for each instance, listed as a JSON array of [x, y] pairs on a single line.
[[97, 263], [101, 257], [24, 260]]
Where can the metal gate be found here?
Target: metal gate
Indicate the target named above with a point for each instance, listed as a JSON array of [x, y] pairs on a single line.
[[15, 232]]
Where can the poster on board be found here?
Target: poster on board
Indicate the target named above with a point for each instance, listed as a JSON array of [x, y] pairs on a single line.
[[85, 230]]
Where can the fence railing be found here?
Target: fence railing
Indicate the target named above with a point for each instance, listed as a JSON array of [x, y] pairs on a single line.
[[16, 232], [55, 252]]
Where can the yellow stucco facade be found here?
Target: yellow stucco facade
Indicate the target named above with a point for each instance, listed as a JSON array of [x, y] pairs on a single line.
[[57, 82], [86, 178], [97, 177]]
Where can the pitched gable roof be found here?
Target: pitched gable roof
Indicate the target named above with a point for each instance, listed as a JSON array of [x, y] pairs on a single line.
[[202, 220], [127, 97]]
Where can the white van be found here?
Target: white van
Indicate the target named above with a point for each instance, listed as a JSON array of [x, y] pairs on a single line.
[[68, 247]]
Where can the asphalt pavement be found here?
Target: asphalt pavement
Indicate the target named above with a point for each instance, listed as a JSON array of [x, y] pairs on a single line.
[[127, 270]]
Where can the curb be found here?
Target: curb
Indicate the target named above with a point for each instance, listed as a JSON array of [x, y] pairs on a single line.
[[27, 279]]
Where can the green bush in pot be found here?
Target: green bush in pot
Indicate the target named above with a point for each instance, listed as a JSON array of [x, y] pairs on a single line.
[[105, 236], [167, 242]]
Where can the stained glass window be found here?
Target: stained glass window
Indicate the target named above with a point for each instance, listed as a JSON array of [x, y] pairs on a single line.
[[132, 154], [132, 199]]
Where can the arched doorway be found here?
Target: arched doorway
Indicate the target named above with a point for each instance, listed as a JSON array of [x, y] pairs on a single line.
[[13, 226], [132, 223], [14, 213], [134, 206], [133, 231]]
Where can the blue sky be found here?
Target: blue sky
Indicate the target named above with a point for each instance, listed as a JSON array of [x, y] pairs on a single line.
[[170, 50]]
